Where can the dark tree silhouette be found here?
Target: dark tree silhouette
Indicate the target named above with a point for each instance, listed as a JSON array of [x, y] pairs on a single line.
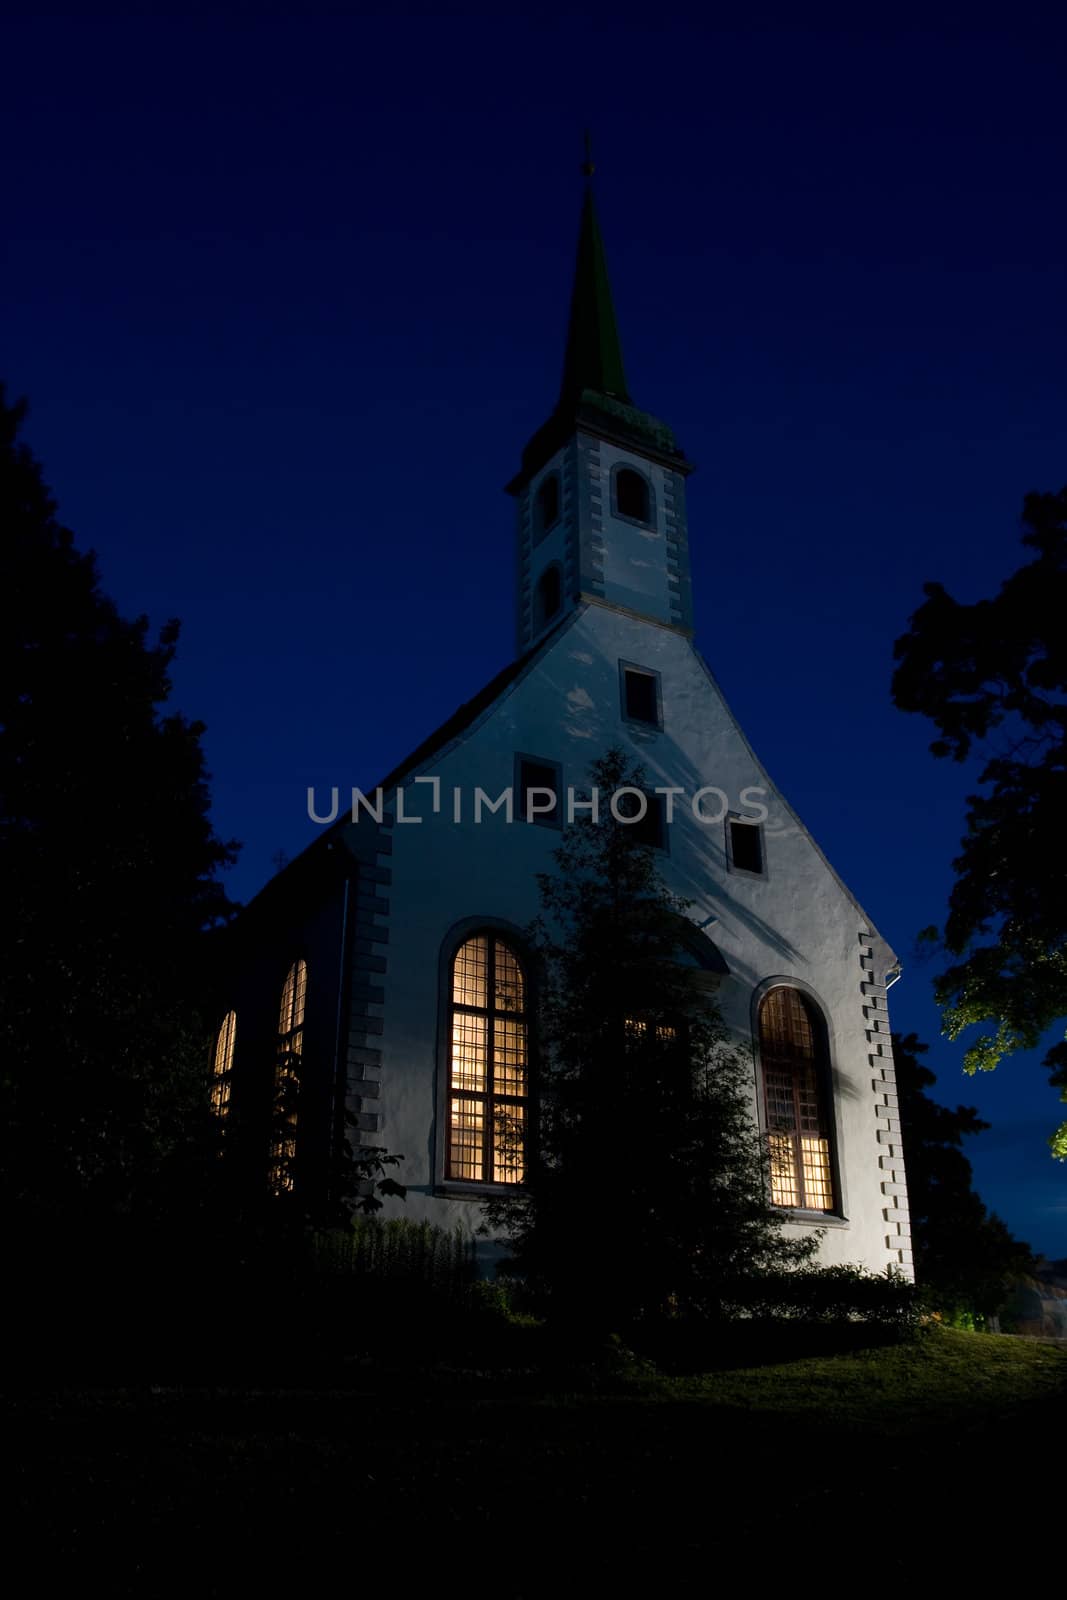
[[965, 1257], [109, 865], [992, 677], [646, 1193]]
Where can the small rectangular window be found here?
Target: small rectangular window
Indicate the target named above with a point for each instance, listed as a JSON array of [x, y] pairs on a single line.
[[652, 827], [640, 696], [533, 779], [746, 845]]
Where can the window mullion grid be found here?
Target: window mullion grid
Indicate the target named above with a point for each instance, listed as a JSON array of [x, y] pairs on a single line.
[[489, 1132], [798, 1141], [498, 1099], [490, 1099], [784, 1066], [468, 1096]]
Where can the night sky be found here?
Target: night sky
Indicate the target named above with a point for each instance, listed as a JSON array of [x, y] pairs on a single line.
[[287, 293]]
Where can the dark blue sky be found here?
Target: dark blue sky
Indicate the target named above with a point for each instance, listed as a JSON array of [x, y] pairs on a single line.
[[287, 294]]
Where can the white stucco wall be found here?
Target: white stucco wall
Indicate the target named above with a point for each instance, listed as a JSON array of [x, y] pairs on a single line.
[[635, 567], [797, 922]]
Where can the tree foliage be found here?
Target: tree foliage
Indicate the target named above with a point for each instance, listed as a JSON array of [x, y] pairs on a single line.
[[110, 870], [646, 1193], [992, 677], [965, 1257]]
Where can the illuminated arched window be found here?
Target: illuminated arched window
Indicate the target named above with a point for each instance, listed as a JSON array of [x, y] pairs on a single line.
[[488, 1090], [222, 1073], [287, 1077], [793, 1058]]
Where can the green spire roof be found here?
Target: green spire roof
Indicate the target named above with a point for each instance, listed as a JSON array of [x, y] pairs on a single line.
[[594, 354], [593, 397]]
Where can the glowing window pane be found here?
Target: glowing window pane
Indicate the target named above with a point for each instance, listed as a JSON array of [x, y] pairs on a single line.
[[467, 1140], [224, 1048], [287, 1078], [488, 1065], [509, 986], [470, 1052], [509, 1144], [470, 973], [818, 1186], [785, 1026], [784, 1191], [797, 1127], [640, 1027], [509, 1056], [293, 991]]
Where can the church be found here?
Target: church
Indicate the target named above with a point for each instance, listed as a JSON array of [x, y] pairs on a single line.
[[377, 988]]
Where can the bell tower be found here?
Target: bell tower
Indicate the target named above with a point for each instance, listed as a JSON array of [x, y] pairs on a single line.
[[601, 490]]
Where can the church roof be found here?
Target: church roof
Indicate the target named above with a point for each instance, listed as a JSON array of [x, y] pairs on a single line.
[[296, 871], [461, 718]]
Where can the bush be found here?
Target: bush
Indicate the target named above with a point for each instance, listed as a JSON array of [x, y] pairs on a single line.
[[789, 1315], [397, 1251], [839, 1296]]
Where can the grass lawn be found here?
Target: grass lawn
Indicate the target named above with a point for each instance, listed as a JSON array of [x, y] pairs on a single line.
[[932, 1461]]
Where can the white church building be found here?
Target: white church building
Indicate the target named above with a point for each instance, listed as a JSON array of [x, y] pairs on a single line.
[[383, 972]]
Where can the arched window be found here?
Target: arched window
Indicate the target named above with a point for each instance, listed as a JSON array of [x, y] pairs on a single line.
[[548, 503], [287, 1077], [488, 1089], [549, 595], [221, 1077], [793, 1057], [631, 495]]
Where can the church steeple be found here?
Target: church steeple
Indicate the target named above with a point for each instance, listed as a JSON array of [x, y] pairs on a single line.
[[593, 358], [601, 489]]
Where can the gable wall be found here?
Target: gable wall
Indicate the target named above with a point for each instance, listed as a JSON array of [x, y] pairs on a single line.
[[797, 922]]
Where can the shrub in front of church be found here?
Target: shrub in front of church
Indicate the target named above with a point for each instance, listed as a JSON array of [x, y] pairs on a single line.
[[398, 1251], [835, 1295]]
